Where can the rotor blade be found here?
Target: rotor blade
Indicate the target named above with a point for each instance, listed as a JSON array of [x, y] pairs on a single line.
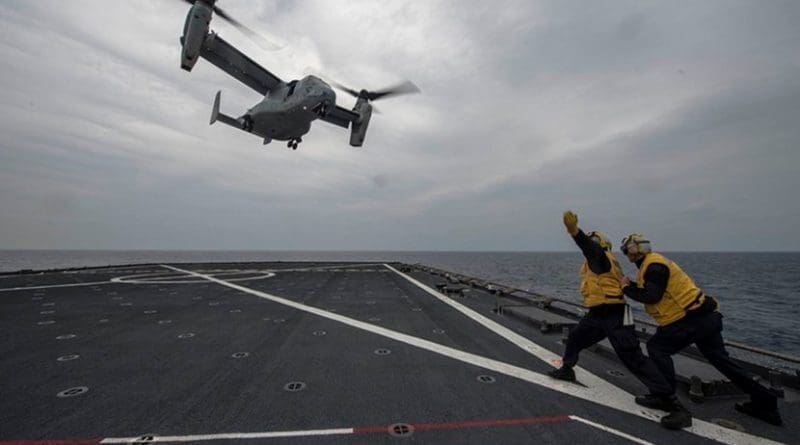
[[260, 40], [406, 87], [352, 92]]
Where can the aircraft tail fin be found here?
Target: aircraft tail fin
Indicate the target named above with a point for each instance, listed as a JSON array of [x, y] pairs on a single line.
[[225, 119]]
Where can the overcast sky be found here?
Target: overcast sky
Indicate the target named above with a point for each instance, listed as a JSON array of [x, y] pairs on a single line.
[[679, 120]]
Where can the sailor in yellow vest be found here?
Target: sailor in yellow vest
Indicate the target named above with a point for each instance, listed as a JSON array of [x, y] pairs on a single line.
[[602, 294], [685, 316]]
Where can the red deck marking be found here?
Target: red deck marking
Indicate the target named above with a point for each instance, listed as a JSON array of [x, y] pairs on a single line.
[[468, 424], [52, 442]]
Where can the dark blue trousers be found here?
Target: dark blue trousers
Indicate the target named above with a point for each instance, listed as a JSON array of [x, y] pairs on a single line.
[[705, 331], [606, 321]]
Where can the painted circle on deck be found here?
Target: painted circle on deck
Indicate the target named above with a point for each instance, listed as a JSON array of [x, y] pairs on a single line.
[[72, 392], [66, 358], [382, 351], [66, 337], [181, 278], [294, 386], [240, 354]]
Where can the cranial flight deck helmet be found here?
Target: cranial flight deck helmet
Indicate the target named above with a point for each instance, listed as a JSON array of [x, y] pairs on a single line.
[[598, 237], [635, 243]]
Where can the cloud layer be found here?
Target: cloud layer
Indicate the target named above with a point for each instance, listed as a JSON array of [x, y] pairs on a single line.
[[676, 120]]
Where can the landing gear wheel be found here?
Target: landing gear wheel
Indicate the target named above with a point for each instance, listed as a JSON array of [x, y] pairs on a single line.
[[293, 143]]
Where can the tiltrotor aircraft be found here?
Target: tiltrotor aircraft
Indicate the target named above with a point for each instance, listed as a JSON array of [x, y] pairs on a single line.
[[288, 108]]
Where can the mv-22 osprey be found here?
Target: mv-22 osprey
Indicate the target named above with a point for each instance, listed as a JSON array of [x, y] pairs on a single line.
[[288, 108]]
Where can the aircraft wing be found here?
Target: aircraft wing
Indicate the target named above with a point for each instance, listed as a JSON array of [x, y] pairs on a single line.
[[234, 62], [341, 117]]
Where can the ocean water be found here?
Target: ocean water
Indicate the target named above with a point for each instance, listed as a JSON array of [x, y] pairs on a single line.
[[759, 292]]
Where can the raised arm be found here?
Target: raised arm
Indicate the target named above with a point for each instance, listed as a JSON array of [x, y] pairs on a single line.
[[594, 254]]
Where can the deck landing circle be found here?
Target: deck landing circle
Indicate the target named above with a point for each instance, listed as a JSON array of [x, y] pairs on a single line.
[[178, 278]]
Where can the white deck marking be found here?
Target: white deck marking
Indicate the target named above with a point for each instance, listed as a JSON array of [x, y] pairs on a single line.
[[341, 266], [171, 278], [611, 430], [466, 357], [230, 436], [8, 289], [606, 393], [599, 395]]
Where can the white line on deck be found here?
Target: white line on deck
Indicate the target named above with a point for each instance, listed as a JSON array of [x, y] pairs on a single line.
[[466, 357], [231, 436], [605, 393], [611, 430], [340, 266], [55, 285], [701, 428]]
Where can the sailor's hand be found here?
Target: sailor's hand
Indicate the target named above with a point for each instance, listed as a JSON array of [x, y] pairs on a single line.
[[571, 222], [625, 282]]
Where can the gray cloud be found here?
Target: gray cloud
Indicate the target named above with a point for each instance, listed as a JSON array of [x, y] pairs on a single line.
[[674, 120]]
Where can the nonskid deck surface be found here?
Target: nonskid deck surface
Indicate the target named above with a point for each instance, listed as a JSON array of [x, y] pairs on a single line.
[[302, 353]]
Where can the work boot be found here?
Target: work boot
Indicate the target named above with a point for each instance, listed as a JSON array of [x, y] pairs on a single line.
[[679, 417], [664, 403], [563, 373], [769, 415]]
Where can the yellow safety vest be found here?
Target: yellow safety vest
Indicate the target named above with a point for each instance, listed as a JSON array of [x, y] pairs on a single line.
[[680, 296], [603, 288]]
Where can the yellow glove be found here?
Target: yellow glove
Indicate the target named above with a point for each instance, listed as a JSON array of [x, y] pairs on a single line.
[[571, 222]]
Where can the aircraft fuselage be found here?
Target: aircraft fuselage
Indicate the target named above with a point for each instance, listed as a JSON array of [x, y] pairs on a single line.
[[286, 112]]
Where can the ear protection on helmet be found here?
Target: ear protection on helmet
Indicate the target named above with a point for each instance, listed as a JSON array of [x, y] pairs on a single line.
[[635, 244]]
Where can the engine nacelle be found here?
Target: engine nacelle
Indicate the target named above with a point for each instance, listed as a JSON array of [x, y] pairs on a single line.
[[194, 33], [359, 128]]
